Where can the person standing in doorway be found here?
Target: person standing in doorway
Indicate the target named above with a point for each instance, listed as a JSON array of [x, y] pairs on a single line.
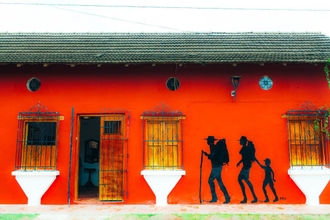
[[216, 170], [269, 179], [248, 157]]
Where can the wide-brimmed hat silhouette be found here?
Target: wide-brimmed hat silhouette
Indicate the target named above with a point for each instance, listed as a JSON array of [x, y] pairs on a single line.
[[210, 138], [243, 138]]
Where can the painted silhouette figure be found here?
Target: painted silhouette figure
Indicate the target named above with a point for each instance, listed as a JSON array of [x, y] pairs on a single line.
[[216, 169], [248, 157], [269, 179]]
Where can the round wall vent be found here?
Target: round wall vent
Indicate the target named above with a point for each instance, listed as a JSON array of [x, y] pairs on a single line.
[[33, 84], [266, 83], [173, 83]]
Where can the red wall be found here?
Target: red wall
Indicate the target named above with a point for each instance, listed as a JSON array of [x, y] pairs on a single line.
[[205, 99]]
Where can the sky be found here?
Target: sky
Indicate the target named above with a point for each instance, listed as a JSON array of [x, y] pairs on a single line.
[[165, 16]]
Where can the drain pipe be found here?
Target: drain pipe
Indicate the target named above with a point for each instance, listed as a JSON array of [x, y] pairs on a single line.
[[70, 162]]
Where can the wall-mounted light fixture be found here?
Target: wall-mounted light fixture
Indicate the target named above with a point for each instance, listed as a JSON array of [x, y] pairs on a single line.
[[235, 81]]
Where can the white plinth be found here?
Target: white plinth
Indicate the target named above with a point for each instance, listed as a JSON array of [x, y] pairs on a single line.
[[35, 183], [162, 182], [311, 181]]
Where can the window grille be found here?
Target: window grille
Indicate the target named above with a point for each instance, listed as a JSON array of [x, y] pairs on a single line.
[[307, 141], [37, 139], [162, 139]]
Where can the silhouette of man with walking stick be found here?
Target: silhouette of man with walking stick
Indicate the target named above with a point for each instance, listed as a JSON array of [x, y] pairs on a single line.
[[216, 170], [200, 177]]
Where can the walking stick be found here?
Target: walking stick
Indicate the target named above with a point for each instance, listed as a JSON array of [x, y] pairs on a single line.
[[200, 178]]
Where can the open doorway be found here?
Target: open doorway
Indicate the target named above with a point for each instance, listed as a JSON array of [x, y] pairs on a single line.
[[89, 166], [102, 158]]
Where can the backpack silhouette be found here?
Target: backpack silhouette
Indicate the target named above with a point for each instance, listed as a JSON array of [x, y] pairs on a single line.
[[222, 151], [251, 151]]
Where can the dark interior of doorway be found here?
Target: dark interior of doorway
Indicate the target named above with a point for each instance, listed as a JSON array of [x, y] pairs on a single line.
[[88, 191]]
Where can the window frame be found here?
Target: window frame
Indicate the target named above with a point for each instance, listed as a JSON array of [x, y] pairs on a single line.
[[41, 156], [164, 151], [308, 145]]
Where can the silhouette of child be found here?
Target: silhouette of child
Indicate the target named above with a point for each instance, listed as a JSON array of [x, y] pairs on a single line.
[[269, 179]]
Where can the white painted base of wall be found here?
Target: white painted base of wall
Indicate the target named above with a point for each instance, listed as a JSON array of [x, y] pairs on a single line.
[[162, 182], [35, 183], [311, 181]]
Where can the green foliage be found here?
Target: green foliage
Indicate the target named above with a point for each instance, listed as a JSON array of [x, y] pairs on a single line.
[[318, 126], [323, 126], [326, 70], [18, 216]]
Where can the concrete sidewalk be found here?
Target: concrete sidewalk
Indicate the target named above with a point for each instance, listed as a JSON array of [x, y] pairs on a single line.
[[50, 212]]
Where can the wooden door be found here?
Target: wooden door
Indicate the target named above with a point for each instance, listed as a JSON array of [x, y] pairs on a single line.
[[112, 157]]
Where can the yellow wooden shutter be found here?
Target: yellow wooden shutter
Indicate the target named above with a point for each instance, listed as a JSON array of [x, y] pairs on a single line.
[[154, 144], [305, 143], [163, 144]]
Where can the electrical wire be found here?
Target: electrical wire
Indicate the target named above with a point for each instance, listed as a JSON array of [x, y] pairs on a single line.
[[162, 7], [64, 7], [123, 20]]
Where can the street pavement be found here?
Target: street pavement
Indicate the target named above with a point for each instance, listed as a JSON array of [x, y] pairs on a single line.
[[108, 211]]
